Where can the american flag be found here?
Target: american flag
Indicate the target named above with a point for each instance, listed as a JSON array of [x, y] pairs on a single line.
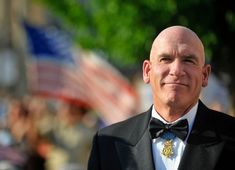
[[84, 78]]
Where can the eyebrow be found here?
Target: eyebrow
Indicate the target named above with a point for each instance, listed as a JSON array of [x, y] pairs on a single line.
[[191, 56], [164, 55]]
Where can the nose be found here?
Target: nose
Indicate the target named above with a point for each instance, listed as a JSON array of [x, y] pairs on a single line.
[[176, 69]]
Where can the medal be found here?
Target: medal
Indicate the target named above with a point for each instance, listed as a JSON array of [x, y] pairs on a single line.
[[167, 150]]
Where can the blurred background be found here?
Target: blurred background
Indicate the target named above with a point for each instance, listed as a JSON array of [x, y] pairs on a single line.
[[70, 67]]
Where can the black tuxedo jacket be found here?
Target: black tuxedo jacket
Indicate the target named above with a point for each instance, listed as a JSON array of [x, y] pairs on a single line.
[[127, 145]]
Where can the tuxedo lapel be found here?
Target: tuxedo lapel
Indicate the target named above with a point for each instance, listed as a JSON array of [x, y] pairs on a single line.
[[201, 157], [137, 154], [203, 146]]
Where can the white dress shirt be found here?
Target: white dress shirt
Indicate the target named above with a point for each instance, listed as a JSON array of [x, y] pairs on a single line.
[[161, 162]]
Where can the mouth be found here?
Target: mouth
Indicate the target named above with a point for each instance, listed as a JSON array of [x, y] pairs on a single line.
[[175, 84]]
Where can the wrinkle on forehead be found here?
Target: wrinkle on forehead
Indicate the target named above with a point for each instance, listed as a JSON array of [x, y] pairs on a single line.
[[179, 34]]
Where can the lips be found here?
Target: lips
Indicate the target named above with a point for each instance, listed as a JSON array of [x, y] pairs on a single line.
[[175, 83]]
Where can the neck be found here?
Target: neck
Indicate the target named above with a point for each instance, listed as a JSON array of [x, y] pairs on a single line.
[[171, 113]]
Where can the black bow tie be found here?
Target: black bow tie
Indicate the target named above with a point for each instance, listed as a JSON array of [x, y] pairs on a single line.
[[158, 128]]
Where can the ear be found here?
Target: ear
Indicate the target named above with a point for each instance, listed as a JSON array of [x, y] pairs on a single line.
[[206, 73], [146, 71]]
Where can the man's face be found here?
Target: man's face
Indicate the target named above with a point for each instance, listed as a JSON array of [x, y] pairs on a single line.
[[176, 71]]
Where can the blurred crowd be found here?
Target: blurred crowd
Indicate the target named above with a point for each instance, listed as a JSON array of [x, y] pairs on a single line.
[[36, 134]]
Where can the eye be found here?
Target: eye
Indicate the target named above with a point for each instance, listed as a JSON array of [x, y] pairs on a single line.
[[165, 59], [190, 60]]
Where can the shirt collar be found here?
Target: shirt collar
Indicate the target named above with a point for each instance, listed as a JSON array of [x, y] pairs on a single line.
[[190, 116]]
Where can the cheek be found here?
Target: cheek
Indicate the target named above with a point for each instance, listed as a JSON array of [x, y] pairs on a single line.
[[157, 76], [159, 72]]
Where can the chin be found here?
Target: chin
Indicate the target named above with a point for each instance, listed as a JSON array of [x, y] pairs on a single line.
[[174, 100]]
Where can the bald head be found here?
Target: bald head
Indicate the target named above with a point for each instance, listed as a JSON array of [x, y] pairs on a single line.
[[175, 35]]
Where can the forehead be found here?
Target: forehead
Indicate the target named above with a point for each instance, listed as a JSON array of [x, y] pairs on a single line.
[[175, 48], [177, 41]]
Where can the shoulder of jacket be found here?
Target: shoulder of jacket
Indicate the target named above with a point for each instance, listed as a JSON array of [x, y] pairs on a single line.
[[121, 126]]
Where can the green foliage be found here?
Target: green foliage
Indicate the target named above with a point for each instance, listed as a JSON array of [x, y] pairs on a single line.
[[230, 18], [124, 30]]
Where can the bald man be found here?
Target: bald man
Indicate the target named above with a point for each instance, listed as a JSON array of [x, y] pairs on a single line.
[[178, 131]]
